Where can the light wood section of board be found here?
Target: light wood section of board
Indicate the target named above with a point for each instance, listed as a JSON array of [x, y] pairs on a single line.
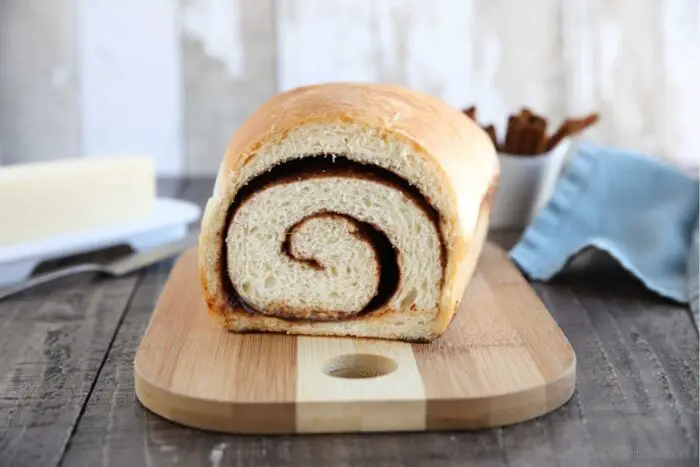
[[327, 403], [503, 360]]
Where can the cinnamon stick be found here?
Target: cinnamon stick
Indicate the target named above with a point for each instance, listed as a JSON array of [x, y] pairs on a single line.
[[538, 140], [570, 127], [532, 135], [525, 113], [513, 134], [471, 112]]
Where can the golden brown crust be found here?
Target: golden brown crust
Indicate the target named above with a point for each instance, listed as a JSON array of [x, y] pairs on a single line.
[[459, 147], [440, 130]]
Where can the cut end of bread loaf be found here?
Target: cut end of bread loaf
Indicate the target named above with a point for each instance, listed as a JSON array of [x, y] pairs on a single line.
[[348, 210]]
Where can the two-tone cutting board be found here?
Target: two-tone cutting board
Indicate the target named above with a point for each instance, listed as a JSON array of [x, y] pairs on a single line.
[[503, 360]]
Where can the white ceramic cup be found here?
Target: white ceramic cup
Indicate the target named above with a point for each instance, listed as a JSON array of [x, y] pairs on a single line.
[[525, 185]]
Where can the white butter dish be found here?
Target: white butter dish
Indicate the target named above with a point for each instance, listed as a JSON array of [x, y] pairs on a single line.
[[168, 222]]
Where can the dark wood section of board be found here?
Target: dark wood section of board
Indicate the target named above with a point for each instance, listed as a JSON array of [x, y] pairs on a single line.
[[67, 389]]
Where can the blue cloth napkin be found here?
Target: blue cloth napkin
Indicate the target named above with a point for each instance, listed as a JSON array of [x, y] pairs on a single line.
[[640, 210]]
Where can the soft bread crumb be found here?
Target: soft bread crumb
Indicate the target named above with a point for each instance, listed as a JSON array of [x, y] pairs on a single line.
[[349, 280]]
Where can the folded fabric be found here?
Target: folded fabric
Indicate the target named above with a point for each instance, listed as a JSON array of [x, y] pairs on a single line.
[[640, 210]]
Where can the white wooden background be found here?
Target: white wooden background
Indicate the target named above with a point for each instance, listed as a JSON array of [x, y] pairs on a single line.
[[174, 78]]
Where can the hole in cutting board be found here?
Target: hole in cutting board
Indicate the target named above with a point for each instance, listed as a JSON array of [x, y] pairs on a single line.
[[359, 366]]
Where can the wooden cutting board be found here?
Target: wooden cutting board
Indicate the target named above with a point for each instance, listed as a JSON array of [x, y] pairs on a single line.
[[503, 360]]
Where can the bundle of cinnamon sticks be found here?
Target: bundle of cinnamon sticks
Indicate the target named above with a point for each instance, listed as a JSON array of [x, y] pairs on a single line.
[[526, 133]]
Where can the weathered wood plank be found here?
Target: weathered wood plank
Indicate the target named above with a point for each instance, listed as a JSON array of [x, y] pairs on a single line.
[[679, 21], [498, 55], [628, 411], [636, 401], [39, 86], [131, 80], [228, 55], [115, 429], [71, 78], [392, 41], [53, 341], [637, 62], [314, 42], [111, 430], [516, 59]]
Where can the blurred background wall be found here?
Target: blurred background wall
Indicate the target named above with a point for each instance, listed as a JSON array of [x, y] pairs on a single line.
[[174, 78]]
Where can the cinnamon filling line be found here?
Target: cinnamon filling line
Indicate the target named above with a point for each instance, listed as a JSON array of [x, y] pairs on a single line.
[[321, 166]]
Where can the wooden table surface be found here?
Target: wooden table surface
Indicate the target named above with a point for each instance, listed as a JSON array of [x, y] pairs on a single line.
[[67, 388]]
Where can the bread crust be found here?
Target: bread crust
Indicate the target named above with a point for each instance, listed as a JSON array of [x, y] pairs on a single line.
[[460, 149]]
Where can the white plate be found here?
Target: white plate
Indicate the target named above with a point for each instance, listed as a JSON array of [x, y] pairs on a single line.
[[167, 223]]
